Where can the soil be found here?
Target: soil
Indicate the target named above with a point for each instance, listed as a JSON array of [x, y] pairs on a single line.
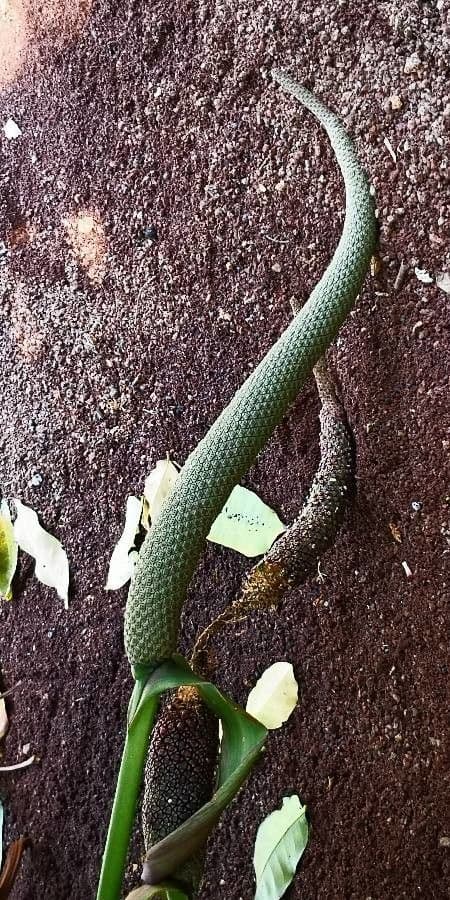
[[161, 206]]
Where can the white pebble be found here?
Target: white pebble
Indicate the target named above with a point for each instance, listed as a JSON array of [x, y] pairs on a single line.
[[412, 63], [11, 129], [406, 569]]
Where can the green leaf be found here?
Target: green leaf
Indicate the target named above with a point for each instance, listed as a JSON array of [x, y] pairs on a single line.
[[246, 524], [8, 552], [129, 782], [279, 845], [157, 892], [243, 738], [1, 833]]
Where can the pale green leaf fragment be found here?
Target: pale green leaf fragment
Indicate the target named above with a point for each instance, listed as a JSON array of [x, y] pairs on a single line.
[[158, 485], [246, 524], [123, 558], [52, 565], [274, 696], [157, 892], [280, 842], [8, 551]]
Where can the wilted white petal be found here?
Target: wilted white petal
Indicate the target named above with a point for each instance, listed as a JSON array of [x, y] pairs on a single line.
[[280, 842], [158, 485], [274, 696], [4, 724], [123, 557], [423, 276], [52, 565], [11, 130], [443, 281]]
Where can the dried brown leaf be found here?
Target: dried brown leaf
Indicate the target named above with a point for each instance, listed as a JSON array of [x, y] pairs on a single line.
[[11, 867], [396, 533]]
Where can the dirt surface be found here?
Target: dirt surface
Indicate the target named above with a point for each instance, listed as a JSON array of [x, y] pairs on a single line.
[[160, 208]]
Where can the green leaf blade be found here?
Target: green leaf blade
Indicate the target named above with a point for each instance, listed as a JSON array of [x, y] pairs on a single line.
[[8, 552], [1, 833], [280, 843], [243, 738]]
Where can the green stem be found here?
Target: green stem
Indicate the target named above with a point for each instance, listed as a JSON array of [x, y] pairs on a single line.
[[141, 715]]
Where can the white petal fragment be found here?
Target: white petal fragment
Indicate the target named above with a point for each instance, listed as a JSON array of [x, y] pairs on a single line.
[[443, 281], [123, 557], [4, 724], [52, 565], [158, 485], [246, 524], [423, 276], [274, 696]]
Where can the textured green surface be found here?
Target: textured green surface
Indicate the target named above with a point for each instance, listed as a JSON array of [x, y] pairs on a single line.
[[172, 548]]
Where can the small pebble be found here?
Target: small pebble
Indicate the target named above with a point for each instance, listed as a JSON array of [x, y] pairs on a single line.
[[406, 569], [412, 63], [11, 130], [148, 233], [395, 101]]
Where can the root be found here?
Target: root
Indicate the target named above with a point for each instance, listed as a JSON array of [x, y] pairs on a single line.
[[294, 557]]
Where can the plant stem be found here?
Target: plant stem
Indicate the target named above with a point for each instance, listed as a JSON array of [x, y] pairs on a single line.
[[142, 712]]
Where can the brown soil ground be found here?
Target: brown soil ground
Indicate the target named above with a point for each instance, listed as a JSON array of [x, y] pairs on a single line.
[[116, 348]]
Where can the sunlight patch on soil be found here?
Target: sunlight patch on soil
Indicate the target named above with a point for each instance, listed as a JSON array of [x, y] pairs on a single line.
[[24, 24], [86, 236], [67, 16], [14, 38], [29, 340]]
